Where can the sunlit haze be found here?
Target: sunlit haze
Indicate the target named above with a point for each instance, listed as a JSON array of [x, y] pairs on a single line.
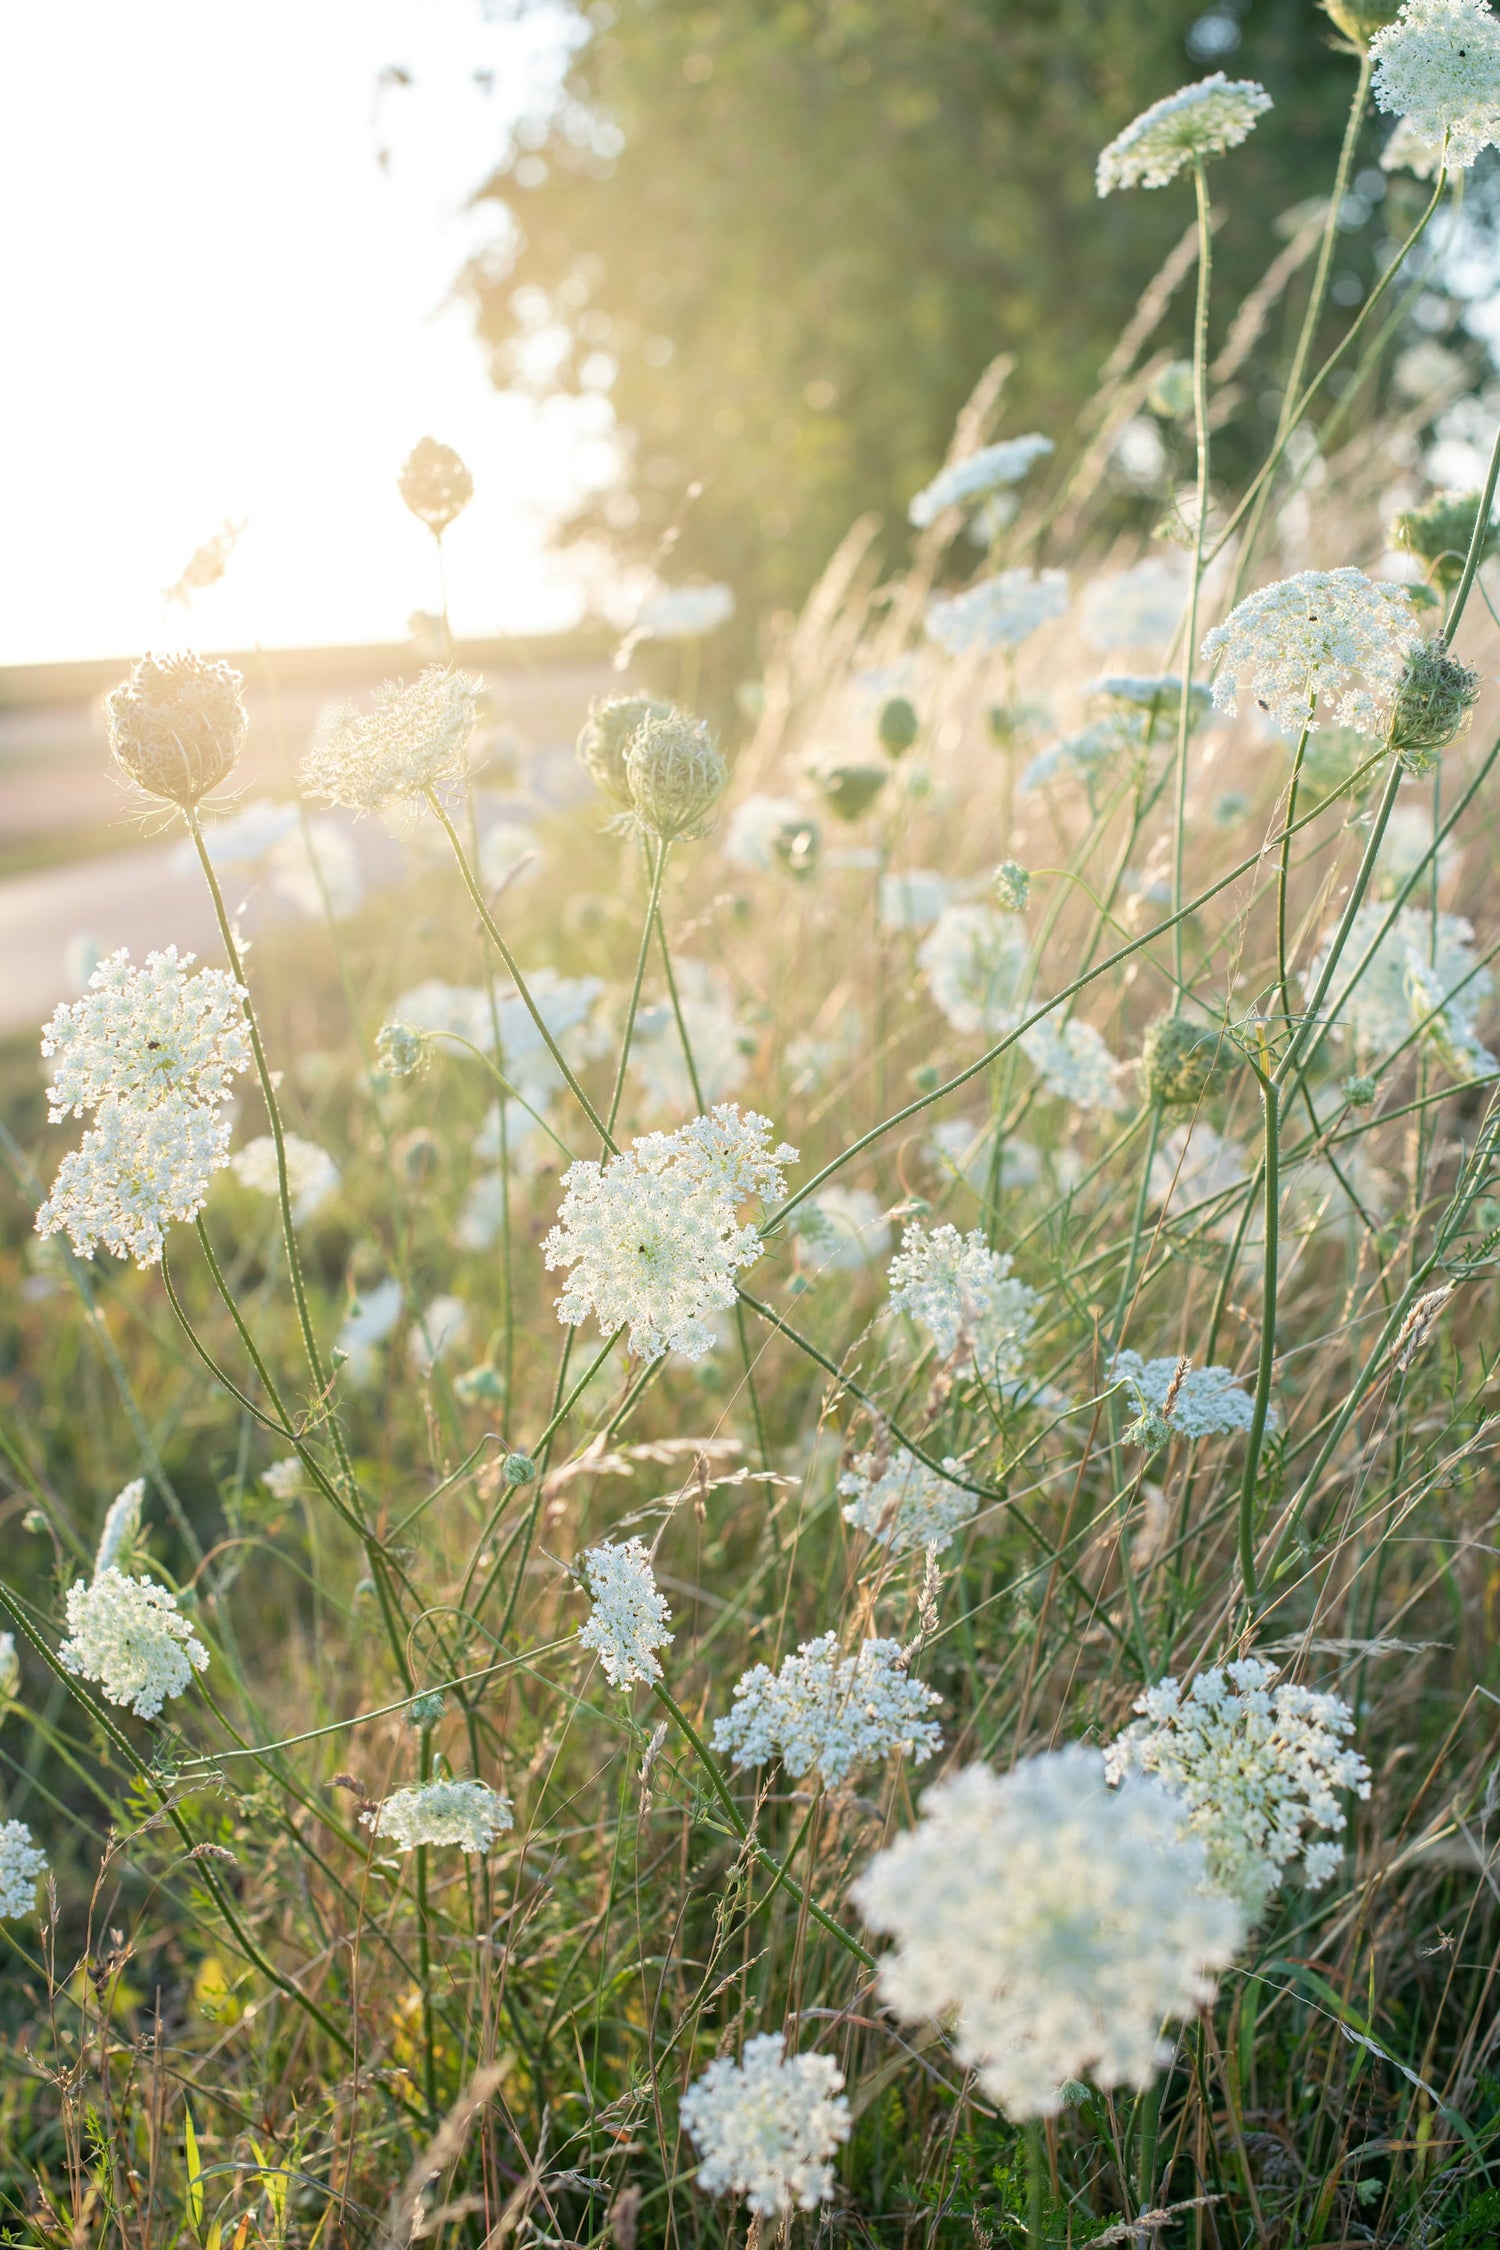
[[223, 307]]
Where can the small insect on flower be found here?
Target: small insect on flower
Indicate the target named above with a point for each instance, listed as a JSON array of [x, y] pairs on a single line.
[[895, 1498], [1333, 641], [412, 739], [830, 1713], [766, 2128], [435, 485], [1056, 1923], [128, 1634], [630, 1618], [1255, 1767], [22, 1866], [177, 726], [1197, 121], [1438, 67], [468, 1814]]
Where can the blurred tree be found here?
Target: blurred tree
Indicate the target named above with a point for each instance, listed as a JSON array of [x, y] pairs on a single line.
[[785, 236]]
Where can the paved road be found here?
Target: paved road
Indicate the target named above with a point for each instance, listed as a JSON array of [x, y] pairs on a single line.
[[135, 898]]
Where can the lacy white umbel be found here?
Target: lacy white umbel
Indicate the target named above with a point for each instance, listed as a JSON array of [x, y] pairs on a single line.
[[412, 739], [145, 1035], [965, 482], [1438, 66], [1200, 120], [1056, 1923], [765, 2128], [630, 1618], [829, 1712], [998, 612], [1416, 969], [1210, 1401], [653, 1236], [467, 1813], [974, 961], [898, 1500], [22, 1866], [1257, 1769], [1333, 639], [1073, 1062], [311, 1174], [135, 1171], [129, 1635], [965, 1295]]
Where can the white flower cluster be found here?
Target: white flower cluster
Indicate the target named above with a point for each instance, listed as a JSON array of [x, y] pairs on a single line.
[[766, 2128], [721, 1044], [412, 739], [1073, 1062], [998, 612], [1209, 1401], [10, 1670], [629, 1618], [1197, 121], [965, 1296], [22, 1866], [1415, 969], [829, 1712], [311, 1174], [467, 1813], [974, 960], [1438, 66], [365, 1327], [1089, 754], [1309, 641], [841, 1230], [285, 1478], [1056, 1922], [122, 1526], [1135, 608], [129, 1635], [976, 477], [652, 1236], [152, 1052], [1257, 1767], [898, 1500]]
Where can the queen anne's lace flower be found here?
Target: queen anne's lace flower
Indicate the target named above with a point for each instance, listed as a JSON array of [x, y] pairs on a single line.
[[1438, 66], [900, 1501], [129, 1635], [1209, 1401], [1405, 982], [412, 739], [1309, 641], [629, 1618], [1056, 1922], [1256, 1768], [285, 1478], [147, 1035], [998, 612], [135, 1171], [122, 1526], [22, 1867], [311, 1174], [765, 2128], [830, 1712], [467, 1813], [1135, 608], [974, 961], [1073, 1062], [965, 1295], [976, 476], [653, 1235], [1200, 120]]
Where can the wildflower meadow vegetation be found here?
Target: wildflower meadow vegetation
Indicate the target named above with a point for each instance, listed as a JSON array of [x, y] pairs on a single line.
[[770, 1508]]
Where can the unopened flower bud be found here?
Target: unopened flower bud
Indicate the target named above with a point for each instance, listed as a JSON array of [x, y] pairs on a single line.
[[676, 775], [1181, 1063], [435, 485], [177, 726], [796, 846], [424, 1711], [1440, 533], [519, 1468], [1150, 1429], [605, 738], [1432, 705], [1359, 1092], [400, 1049], [1012, 886], [898, 725], [851, 790]]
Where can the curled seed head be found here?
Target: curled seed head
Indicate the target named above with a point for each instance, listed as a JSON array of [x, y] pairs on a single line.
[[605, 738], [676, 776], [1431, 706], [177, 726], [435, 485], [1181, 1063]]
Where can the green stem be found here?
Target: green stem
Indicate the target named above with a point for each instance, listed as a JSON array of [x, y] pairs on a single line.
[[1262, 1408], [1283, 873], [1037, 2180], [1476, 545], [1200, 416], [653, 902], [1148, 2126], [424, 1953]]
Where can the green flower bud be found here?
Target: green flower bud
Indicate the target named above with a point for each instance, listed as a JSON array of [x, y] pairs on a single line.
[[851, 790], [519, 1468], [1432, 705], [177, 726], [796, 846], [400, 1049], [1359, 20], [1012, 886], [605, 737], [480, 1386], [1150, 1429], [1181, 1063], [1439, 533], [675, 773], [1359, 1092], [898, 726], [424, 1711]]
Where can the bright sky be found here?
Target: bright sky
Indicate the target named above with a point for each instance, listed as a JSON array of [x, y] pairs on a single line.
[[220, 306]]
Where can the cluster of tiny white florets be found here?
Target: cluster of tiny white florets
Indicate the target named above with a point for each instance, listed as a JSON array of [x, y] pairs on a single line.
[[998, 612], [900, 1501], [22, 1866], [1209, 1401], [1418, 967], [1073, 1062], [311, 1174], [1057, 1923], [467, 1813], [1258, 1768], [1438, 65], [412, 739], [285, 1478], [653, 1237], [129, 1635], [965, 1296], [974, 960], [830, 1712], [976, 476], [10, 1670], [122, 1526], [1332, 642], [765, 2128], [1197, 121], [629, 1619], [152, 1052]]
